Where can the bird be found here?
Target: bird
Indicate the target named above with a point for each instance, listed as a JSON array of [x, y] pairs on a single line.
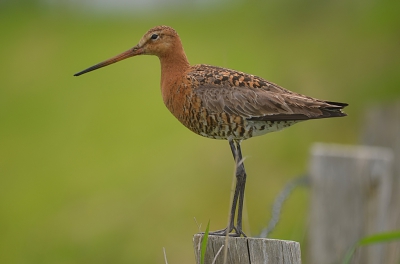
[[220, 103]]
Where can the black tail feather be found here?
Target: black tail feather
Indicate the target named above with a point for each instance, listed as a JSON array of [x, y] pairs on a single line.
[[333, 109]]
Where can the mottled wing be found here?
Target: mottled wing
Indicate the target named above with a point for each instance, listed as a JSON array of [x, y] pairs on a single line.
[[267, 105]]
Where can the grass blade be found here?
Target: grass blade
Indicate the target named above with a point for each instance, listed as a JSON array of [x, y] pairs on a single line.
[[376, 238], [204, 243], [379, 238]]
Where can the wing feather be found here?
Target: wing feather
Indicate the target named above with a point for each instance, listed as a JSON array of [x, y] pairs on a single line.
[[260, 104]]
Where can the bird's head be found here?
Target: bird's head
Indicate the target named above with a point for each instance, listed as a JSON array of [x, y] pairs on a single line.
[[160, 41]]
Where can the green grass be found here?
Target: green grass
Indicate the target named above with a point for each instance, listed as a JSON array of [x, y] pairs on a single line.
[[94, 169], [204, 242], [372, 239]]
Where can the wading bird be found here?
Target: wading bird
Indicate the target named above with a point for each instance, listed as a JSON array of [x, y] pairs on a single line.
[[221, 103]]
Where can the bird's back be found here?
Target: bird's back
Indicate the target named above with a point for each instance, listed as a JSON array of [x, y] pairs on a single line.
[[227, 104]]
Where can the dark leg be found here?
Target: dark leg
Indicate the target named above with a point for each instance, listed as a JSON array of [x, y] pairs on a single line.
[[238, 195], [231, 226], [241, 179]]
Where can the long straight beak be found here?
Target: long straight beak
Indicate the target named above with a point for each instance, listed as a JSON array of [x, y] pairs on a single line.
[[129, 53]]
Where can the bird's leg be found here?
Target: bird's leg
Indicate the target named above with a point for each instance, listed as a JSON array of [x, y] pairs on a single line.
[[241, 181], [231, 225], [238, 195]]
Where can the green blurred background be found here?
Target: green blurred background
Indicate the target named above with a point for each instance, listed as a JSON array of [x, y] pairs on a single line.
[[94, 169]]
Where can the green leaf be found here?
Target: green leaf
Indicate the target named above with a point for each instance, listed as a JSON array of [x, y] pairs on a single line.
[[204, 243], [376, 238], [379, 238]]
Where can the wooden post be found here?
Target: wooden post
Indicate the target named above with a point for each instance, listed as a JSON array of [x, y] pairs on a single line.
[[247, 250], [350, 193], [382, 128]]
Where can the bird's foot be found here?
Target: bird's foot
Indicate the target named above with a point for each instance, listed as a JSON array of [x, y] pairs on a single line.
[[223, 232]]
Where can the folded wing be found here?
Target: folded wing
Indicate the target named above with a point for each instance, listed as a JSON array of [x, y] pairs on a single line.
[[265, 105]]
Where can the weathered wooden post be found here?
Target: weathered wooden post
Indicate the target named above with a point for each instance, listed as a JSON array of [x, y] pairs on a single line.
[[247, 250], [382, 128], [350, 193]]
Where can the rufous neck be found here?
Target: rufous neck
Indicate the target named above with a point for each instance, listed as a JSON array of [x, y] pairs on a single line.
[[173, 65]]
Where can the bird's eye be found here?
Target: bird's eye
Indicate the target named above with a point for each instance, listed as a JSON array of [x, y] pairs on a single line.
[[154, 36]]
